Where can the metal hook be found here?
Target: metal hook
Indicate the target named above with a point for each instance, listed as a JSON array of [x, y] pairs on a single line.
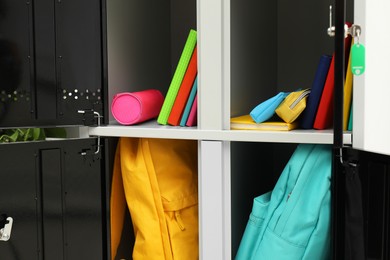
[[351, 164], [332, 28]]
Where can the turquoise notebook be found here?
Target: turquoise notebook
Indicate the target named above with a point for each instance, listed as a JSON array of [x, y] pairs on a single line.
[[190, 101]]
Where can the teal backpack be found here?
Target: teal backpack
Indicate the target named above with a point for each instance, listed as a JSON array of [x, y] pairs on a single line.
[[293, 221]]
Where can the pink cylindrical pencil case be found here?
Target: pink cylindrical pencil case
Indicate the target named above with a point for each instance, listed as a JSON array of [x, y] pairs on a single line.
[[129, 108]]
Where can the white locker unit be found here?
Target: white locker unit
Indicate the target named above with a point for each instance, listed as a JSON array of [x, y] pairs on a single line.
[[248, 51]]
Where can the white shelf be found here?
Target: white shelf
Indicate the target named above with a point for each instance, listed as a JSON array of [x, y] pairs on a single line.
[[153, 130], [294, 136]]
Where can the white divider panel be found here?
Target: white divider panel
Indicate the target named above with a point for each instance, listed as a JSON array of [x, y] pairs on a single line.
[[214, 200], [371, 106]]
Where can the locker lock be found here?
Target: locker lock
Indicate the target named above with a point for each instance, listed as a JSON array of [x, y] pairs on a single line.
[[98, 116], [5, 231]]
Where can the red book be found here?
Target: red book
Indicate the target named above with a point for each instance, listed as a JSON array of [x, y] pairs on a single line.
[[184, 91], [324, 116]]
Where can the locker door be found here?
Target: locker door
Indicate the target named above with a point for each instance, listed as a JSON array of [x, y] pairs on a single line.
[[361, 206], [16, 66], [19, 200], [55, 196], [83, 202], [52, 61], [80, 63], [370, 99], [361, 177], [69, 60]]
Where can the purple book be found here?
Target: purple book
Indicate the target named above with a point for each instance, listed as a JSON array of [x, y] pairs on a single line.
[[192, 118]]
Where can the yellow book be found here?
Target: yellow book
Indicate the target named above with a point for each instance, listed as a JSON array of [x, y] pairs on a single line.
[[347, 94], [246, 122]]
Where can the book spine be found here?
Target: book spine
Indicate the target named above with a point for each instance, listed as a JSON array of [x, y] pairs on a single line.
[[347, 94], [350, 120], [192, 117], [177, 78]]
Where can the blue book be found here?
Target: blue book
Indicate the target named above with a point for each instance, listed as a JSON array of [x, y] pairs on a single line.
[[189, 103], [309, 114]]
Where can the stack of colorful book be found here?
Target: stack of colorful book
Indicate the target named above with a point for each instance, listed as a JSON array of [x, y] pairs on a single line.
[[320, 115], [180, 103]]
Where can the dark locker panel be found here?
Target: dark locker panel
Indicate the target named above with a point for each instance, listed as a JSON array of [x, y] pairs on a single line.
[[83, 207], [45, 59], [53, 61], [55, 194], [52, 206], [16, 67], [18, 199], [79, 51], [362, 203]]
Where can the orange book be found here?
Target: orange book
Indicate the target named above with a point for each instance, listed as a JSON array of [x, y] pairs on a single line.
[[184, 91]]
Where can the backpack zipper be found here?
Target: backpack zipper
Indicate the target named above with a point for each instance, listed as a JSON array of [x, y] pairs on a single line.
[[301, 96]]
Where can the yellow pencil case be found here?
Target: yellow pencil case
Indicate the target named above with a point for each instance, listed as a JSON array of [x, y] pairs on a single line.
[[293, 105]]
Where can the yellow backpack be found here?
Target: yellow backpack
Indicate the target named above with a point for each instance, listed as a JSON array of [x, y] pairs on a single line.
[[158, 180]]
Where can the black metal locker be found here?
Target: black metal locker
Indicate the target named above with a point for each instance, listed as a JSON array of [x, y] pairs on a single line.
[[361, 180], [52, 66], [52, 60], [54, 193]]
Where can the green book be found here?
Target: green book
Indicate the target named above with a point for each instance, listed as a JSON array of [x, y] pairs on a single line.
[[177, 78]]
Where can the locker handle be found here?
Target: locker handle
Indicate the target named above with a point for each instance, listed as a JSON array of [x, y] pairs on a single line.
[[5, 232]]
